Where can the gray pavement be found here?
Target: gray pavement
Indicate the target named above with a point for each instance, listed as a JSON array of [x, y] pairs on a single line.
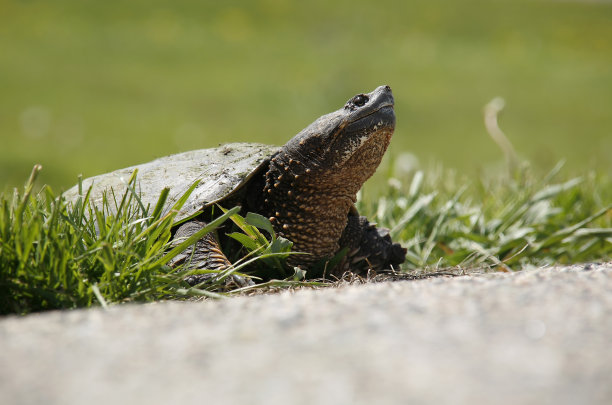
[[533, 337]]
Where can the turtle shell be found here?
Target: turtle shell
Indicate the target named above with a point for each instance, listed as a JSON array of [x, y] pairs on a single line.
[[220, 172]]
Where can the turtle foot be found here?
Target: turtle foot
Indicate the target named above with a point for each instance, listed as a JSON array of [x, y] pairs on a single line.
[[369, 247], [205, 254]]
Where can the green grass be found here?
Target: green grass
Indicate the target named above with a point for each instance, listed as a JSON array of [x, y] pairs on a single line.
[[88, 87], [54, 255]]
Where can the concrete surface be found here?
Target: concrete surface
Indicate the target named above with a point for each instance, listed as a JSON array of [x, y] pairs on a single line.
[[534, 337]]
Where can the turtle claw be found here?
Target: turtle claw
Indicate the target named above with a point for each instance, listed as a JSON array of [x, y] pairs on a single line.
[[233, 281], [242, 282]]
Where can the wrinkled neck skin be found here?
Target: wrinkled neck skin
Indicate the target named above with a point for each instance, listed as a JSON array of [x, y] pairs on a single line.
[[308, 199]]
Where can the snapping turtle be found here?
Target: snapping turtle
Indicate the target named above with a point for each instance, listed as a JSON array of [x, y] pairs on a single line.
[[307, 188]]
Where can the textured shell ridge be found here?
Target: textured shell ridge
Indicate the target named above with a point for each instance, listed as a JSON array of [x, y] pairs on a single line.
[[220, 172]]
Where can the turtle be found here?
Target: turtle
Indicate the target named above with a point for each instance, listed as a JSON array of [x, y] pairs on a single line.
[[307, 188]]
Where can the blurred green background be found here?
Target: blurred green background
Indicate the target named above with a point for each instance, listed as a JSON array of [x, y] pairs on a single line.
[[91, 86]]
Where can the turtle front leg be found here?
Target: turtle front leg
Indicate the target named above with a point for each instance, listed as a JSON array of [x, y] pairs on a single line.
[[369, 247], [205, 254]]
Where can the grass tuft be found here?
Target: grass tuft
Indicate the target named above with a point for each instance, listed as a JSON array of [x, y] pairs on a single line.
[[499, 222], [56, 255]]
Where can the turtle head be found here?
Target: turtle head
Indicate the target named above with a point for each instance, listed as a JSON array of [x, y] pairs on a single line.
[[365, 124], [354, 137], [315, 177]]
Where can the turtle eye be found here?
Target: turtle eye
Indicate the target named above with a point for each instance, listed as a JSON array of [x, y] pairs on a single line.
[[360, 100]]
